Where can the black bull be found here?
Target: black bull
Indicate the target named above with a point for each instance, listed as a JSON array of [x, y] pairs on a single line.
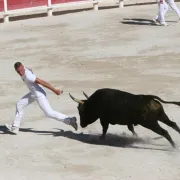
[[113, 106]]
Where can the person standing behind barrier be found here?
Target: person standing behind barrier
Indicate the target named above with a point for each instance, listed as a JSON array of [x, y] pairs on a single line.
[[165, 9], [160, 17], [173, 7]]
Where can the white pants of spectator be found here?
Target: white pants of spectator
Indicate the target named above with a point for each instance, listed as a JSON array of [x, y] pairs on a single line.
[[173, 6], [163, 8], [43, 104]]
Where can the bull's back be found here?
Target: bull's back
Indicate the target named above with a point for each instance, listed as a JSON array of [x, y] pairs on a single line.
[[119, 107], [111, 105]]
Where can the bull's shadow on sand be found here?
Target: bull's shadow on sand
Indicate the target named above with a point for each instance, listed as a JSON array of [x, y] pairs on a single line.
[[114, 140]]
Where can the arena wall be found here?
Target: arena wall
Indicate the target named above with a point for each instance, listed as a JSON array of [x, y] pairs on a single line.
[[14, 8]]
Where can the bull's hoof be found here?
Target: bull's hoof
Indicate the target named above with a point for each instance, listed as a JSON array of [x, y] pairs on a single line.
[[135, 135], [174, 146]]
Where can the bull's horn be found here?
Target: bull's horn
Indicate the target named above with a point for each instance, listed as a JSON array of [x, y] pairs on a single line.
[[76, 100], [85, 95]]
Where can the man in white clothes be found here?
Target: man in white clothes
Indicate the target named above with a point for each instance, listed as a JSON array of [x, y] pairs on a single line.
[[160, 17], [163, 8], [37, 94]]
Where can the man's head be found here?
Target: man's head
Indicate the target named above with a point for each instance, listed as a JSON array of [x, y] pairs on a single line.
[[18, 66]]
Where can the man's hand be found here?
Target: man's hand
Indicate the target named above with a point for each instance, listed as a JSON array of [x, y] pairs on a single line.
[[58, 92]]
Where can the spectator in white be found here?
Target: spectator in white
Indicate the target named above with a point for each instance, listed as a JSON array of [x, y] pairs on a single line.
[[163, 8], [173, 7], [38, 94], [160, 17]]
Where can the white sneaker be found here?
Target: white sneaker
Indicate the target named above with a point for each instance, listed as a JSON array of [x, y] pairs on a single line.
[[156, 21], [163, 24], [12, 129]]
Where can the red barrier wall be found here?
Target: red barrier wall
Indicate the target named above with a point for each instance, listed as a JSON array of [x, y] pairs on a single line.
[[19, 4], [57, 1], [63, 1], [1, 5]]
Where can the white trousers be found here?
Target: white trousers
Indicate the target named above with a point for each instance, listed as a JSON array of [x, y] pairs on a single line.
[[43, 104], [163, 8], [173, 6]]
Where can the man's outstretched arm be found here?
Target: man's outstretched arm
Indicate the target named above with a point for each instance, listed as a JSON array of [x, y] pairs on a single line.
[[47, 85]]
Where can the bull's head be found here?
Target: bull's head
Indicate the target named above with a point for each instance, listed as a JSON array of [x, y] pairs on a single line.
[[84, 118]]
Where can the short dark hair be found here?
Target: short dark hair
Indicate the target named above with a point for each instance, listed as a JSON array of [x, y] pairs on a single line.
[[17, 64]]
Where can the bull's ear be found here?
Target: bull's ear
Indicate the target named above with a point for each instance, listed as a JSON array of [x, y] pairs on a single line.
[[85, 95], [76, 100]]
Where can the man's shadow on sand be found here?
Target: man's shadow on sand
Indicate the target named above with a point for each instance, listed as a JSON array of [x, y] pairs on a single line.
[[113, 140], [140, 21]]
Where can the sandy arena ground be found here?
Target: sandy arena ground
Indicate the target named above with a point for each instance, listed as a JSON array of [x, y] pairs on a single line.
[[83, 52]]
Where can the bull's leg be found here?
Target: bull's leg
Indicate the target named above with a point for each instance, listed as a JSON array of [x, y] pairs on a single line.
[[131, 128], [105, 126], [154, 126], [165, 119]]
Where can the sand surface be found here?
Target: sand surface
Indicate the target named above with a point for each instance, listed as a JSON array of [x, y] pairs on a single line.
[[83, 52]]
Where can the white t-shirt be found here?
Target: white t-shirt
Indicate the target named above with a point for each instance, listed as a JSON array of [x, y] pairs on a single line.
[[29, 79]]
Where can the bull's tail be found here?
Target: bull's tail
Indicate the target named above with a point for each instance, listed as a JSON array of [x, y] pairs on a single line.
[[166, 102]]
